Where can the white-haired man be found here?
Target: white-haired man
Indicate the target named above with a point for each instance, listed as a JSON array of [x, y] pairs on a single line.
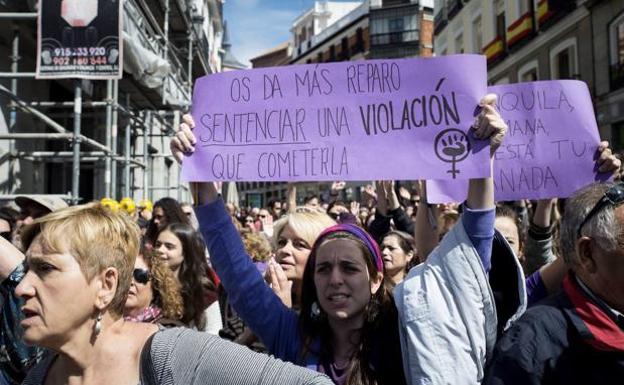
[[577, 336]]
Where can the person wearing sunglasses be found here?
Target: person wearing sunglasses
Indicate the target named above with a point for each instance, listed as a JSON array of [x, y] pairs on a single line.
[[154, 294], [577, 335]]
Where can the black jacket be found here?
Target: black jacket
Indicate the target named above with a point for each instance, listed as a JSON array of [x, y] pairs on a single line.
[[546, 346]]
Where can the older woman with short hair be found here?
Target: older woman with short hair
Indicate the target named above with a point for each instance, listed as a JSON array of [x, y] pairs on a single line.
[[80, 262]]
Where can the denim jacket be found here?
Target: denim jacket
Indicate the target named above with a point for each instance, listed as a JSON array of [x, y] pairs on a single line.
[[449, 315]]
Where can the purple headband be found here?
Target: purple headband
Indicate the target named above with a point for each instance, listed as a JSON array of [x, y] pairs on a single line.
[[360, 234]]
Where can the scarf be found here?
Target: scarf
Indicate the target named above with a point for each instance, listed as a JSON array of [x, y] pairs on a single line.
[[150, 314], [599, 330]]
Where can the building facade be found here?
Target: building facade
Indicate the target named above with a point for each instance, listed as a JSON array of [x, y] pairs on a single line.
[[125, 124], [276, 56], [331, 31], [607, 21], [340, 31], [371, 29], [527, 40]]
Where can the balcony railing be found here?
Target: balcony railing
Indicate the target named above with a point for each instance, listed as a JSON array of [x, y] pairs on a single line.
[[548, 11], [617, 76], [495, 50], [395, 37], [520, 29], [453, 7]]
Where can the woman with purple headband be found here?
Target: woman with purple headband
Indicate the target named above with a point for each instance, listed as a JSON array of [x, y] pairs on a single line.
[[347, 327]]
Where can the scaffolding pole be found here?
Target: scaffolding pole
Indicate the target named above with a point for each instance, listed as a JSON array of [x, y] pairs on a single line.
[[18, 15], [127, 142], [76, 142], [113, 147], [17, 75], [36, 135], [148, 119], [49, 122], [166, 45], [13, 113], [108, 152], [109, 117], [69, 154]]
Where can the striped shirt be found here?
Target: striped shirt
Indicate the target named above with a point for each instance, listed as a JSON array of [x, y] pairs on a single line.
[[184, 356]]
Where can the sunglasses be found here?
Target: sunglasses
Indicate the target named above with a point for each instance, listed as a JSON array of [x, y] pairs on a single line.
[[141, 276], [614, 196]]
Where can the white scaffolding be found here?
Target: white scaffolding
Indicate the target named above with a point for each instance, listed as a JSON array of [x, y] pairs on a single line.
[[169, 30]]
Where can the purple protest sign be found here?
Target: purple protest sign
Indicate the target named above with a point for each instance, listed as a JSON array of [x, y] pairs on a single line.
[[378, 119], [549, 149]]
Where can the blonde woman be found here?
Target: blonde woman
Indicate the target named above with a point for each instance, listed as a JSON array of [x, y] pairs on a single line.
[[293, 237], [80, 263]]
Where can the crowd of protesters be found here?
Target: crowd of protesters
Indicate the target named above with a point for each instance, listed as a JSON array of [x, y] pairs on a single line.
[[385, 289]]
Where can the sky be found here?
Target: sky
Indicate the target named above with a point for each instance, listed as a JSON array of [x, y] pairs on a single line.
[[258, 25]]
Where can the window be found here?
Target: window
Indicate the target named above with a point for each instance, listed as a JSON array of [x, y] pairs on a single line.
[[440, 44], [618, 135], [529, 72], [563, 60], [332, 53], [344, 48], [360, 40], [524, 6], [459, 43], [477, 35], [499, 21], [395, 25], [616, 54]]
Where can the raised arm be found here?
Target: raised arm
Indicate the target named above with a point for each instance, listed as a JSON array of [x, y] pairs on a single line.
[[15, 357], [255, 302], [478, 216], [539, 245], [10, 258], [291, 197]]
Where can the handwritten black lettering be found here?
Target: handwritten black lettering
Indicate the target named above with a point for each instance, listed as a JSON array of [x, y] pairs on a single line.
[[313, 161], [332, 120], [373, 77], [270, 126], [525, 179], [534, 100], [227, 167], [313, 83], [239, 89], [272, 87], [437, 109]]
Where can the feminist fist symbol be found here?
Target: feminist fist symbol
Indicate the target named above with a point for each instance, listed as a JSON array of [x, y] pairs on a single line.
[[452, 146]]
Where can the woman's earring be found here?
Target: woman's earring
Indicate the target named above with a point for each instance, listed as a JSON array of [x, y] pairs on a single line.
[[97, 328], [315, 311]]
